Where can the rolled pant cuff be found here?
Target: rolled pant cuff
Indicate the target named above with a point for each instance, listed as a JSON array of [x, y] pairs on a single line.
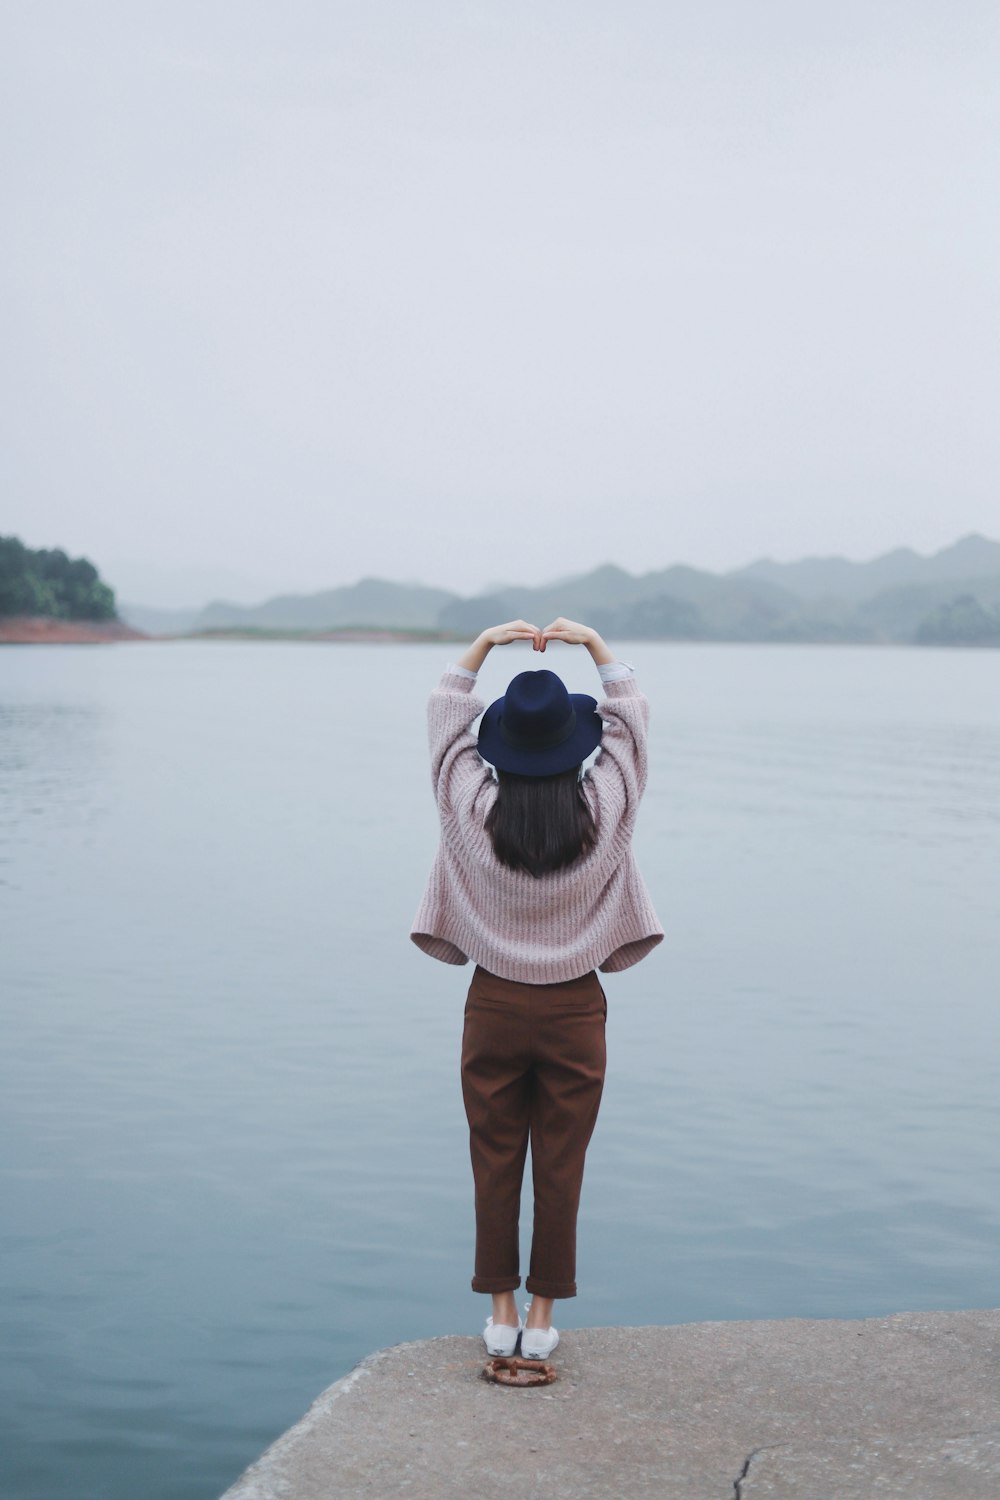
[[550, 1288], [497, 1284]]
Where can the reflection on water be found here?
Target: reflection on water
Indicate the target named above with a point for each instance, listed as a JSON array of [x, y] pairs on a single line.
[[235, 1158]]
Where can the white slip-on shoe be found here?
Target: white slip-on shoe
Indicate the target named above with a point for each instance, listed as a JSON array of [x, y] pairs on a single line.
[[538, 1343], [500, 1338]]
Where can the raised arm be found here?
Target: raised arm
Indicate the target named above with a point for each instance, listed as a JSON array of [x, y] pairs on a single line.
[[453, 707], [617, 779]]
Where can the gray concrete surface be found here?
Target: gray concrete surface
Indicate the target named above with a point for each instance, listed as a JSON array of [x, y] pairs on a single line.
[[907, 1405]]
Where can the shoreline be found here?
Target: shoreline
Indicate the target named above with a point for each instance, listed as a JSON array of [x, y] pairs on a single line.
[[365, 634], [41, 630]]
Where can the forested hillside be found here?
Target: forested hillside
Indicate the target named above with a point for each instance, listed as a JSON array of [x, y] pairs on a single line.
[[45, 581]]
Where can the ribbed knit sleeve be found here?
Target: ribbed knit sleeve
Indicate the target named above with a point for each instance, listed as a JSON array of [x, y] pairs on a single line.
[[616, 781], [455, 760]]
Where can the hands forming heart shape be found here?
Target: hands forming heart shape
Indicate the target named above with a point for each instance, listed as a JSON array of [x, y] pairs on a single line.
[[569, 631]]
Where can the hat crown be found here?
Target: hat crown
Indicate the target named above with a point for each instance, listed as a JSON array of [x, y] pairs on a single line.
[[538, 728], [536, 706]]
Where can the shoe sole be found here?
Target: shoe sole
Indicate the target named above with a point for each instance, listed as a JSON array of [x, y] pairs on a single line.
[[501, 1351], [546, 1354]]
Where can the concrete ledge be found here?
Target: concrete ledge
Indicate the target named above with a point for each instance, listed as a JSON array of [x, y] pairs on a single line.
[[907, 1405]]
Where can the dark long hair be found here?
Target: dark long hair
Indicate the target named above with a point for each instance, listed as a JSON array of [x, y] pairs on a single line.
[[540, 823]]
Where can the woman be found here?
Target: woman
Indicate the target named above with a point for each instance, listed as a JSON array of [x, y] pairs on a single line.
[[535, 881]]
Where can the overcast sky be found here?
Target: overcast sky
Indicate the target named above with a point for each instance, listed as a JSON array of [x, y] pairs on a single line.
[[298, 293]]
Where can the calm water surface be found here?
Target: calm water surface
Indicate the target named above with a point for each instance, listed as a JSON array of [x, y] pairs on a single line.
[[234, 1155]]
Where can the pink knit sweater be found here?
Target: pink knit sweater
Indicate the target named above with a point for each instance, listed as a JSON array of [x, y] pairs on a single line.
[[595, 913]]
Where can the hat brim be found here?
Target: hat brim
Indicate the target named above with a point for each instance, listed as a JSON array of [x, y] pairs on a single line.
[[582, 742]]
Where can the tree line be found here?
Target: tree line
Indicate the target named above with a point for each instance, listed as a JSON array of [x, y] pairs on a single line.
[[45, 581]]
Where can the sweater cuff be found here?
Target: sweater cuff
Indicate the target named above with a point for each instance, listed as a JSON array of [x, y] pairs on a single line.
[[453, 670], [455, 681], [623, 687]]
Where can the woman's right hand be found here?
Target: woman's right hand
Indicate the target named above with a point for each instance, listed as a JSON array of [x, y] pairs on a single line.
[[569, 631]]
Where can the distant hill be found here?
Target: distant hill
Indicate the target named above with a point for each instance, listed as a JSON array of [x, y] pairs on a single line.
[[950, 597], [837, 578], [678, 602], [924, 612], [373, 602], [898, 597], [961, 622]]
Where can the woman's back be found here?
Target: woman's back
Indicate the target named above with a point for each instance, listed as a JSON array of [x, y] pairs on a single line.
[[592, 913]]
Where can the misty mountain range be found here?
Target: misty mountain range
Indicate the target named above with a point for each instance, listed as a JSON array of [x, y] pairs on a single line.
[[950, 597]]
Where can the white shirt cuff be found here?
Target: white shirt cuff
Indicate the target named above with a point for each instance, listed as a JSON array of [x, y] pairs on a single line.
[[615, 671], [611, 671]]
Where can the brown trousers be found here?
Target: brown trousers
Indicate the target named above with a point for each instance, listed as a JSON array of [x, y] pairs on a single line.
[[533, 1061]]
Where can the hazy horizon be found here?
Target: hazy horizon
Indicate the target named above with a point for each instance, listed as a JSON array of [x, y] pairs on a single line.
[[245, 591]]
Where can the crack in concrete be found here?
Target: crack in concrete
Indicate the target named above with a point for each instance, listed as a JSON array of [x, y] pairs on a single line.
[[738, 1481], [984, 1432]]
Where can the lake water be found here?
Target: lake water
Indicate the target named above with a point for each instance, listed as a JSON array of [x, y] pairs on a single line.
[[234, 1152]]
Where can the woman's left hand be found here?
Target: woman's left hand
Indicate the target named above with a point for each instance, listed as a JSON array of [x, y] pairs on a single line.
[[514, 630], [500, 635]]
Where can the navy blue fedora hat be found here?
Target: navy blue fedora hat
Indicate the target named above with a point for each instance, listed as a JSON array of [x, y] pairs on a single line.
[[539, 729]]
